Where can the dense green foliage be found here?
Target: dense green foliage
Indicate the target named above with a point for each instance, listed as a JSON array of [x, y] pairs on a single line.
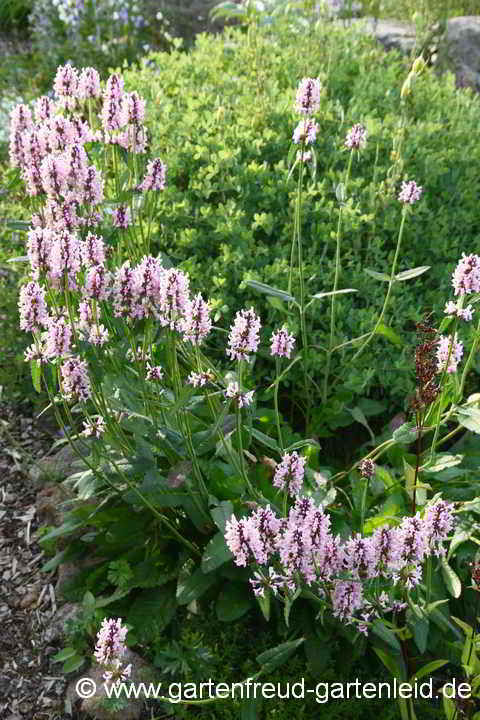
[[221, 118]]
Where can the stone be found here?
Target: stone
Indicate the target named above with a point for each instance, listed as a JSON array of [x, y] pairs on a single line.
[[51, 502], [63, 463], [459, 51], [93, 706], [393, 34], [55, 630]]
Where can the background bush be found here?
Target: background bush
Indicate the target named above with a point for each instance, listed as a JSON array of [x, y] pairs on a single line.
[[221, 117]]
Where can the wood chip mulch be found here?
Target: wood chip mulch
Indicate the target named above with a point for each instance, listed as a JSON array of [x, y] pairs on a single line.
[[31, 685]]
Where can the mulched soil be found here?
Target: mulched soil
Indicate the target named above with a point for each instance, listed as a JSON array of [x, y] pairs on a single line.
[[31, 686]]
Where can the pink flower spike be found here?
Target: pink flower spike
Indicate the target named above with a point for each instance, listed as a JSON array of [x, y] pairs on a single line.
[[155, 176], [89, 84], [289, 473], [306, 131], [410, 192], [282, 343], [197, 323], [356, 137], [32, 307], [244, 335], [122, 217], [466, 276], [307, 100], [240, 399], [444, 350]]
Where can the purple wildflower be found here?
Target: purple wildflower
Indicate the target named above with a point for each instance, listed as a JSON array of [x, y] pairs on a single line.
[[240, 399], [155, 176], [445, 349], [173, 298], [367, 468], [197, 323], [200, 379], [282, 343], [451, 308], [289, 473], [95, 427], [244, 335], [75, 380], [32, 307], [307, 100], [89, 84], [410, 192], [122, 217], [356, 137], [59, 338], [112, 115], [466, 277], [154, 372], [305, 132]]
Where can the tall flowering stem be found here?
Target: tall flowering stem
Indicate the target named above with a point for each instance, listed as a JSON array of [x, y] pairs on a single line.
[[390, 286], [335, 281]]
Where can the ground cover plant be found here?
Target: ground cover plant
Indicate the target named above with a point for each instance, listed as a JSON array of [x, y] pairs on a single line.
[[195, 473]]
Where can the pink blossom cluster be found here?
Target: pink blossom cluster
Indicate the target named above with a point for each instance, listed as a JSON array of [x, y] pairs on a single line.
[[449, 353], [466, 276], [410, 192], [289, 473], [282, 343], [305, 132], [110, 649], [241, 399], [301, 548], [244, 335], [356, 137], [307, 100], [452, 308]]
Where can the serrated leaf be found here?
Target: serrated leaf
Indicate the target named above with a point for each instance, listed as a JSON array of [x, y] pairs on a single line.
[[409, 274], [319, 296], [273, 658], [377, 275], [268, 290], [216, 553]]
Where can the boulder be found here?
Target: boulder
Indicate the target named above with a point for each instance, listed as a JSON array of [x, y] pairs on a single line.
[[459, 51]]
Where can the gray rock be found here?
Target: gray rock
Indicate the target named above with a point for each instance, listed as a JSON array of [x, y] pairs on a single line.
[[63, 463], [393, 34], [55, 631], [459, 51], [94, 706]]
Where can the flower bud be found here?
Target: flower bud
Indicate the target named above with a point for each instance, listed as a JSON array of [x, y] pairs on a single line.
[[419, 66]]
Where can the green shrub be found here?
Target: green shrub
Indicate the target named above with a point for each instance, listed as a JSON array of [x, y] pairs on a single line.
[[221, 116]]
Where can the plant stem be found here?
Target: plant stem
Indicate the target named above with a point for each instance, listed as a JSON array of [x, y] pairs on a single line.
[[275, 399], [335, 283], [390, 285]]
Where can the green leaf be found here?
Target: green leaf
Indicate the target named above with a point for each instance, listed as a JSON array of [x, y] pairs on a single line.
[[385, 634], [389, 334], [469, 417], [64, 654], [273, 658], [442, 461], [221, 513], [152, 610], [251, 708], [409, 274], [233, 602], [18, 225], [449, 706], [20, 259], [427, 669], [36, 373], [265, 440], [420, 628], [377, 275], [193, 586], [319, 296], [405, 434], [268, 290], [73, 663], [301, 444], [394, 665], [451, 579], [264, 602], [216, 553]]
